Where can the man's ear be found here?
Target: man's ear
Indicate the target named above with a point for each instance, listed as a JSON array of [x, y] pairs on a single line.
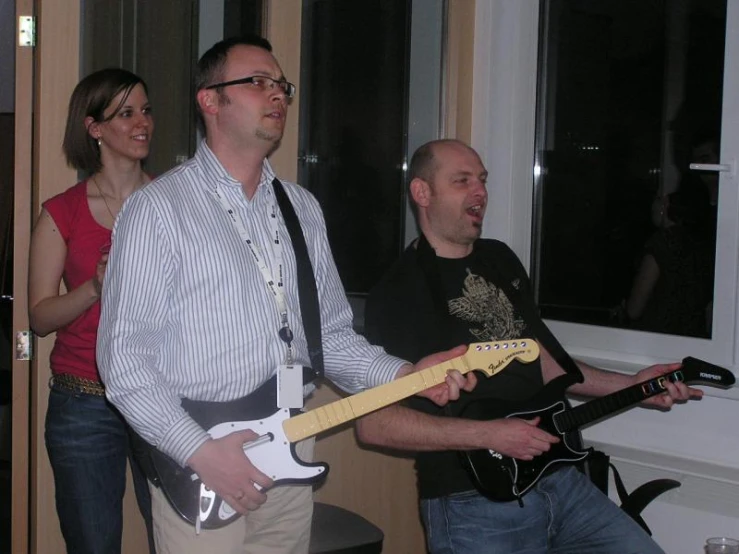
[[420, 192], [207, 101]]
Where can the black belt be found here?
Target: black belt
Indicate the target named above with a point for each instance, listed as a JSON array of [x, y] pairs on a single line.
[[259, 404]]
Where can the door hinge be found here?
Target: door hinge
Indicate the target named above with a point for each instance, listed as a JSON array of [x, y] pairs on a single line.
[[23, 345], [26, 30]]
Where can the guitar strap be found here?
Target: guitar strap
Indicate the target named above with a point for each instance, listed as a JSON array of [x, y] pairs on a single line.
[[307, 291]]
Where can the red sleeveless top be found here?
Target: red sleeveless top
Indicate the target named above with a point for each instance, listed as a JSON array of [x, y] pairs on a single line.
[[74, 349]]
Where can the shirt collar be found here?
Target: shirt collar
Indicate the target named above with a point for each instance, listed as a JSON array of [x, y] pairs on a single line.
[[214, 172]]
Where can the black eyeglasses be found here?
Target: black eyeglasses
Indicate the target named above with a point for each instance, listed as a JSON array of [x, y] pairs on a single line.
[[260, 82]]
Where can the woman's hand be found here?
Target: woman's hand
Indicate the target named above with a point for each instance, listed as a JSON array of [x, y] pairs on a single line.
[[97, 280]]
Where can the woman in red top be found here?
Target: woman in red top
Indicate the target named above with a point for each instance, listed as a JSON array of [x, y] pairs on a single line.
[[109, 127]]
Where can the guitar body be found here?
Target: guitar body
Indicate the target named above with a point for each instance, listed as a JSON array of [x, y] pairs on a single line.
[[274, 457], [502, 478]]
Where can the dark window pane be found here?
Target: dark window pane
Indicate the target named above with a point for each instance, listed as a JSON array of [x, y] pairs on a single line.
[[353, 129], [630, 95], [242, 17]]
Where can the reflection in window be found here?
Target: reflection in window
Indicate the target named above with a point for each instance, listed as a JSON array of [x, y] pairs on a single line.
[[629, 96]]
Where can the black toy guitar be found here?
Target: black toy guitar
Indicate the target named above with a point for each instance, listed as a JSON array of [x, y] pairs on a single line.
[[273, 452], [503, 479]]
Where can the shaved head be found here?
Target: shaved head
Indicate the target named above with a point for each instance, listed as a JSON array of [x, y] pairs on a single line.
[[424, 162]]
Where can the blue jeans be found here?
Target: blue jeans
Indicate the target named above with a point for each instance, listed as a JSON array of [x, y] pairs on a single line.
[[564, 514], [87, 442]]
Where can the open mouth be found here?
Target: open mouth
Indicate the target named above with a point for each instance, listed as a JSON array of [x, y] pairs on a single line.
[[476, 211]]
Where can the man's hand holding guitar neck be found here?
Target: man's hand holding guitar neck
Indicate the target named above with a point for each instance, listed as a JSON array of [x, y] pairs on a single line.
[[599, 382], [455, 382], [676, 392]]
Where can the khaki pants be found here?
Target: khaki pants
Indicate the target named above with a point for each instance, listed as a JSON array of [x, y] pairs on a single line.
[[280, 526]]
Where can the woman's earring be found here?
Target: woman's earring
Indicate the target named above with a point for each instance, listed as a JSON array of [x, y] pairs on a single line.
[[100, 142]]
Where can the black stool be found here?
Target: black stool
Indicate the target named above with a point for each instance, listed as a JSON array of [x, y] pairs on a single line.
[[339, 531]]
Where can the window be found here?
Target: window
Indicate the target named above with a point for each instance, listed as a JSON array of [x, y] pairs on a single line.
[[369, 93], [630, 94], [353, 125]]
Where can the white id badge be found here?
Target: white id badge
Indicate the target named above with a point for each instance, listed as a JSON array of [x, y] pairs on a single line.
[[289, 386]]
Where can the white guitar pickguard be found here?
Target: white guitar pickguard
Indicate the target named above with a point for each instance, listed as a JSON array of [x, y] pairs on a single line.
[[274, 458]]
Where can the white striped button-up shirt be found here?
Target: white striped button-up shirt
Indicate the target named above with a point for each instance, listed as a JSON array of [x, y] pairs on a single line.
[[186, 312]]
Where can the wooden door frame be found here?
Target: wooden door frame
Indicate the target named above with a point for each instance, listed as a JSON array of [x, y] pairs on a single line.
[[57, 70], [21, 379], [45, 77]]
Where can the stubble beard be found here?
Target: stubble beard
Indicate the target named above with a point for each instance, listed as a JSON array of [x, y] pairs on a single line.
[[273, 137], [263, 134], [469, 235]]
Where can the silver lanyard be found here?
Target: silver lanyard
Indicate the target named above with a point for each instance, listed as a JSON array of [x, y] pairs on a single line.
[[276, 286]]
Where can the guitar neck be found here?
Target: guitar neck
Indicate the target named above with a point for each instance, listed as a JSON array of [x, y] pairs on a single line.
[[599, 408], [693, 371], [496, 356]]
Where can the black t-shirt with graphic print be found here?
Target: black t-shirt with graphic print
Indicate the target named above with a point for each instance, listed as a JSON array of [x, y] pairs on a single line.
[[425, 305]]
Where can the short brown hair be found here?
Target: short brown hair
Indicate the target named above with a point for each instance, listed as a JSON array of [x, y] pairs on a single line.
[[90, 98], [210, 66]]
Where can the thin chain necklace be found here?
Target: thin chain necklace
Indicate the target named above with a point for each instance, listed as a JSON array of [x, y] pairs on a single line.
[[94, 181]]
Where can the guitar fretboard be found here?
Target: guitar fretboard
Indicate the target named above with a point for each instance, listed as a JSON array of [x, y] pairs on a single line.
[[490, 358], [326, 417], [600, 407]]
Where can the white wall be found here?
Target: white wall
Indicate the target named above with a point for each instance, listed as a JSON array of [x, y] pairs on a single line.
[[697, 443]]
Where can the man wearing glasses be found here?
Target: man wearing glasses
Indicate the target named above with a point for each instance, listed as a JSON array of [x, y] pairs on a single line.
[[200, 302]]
